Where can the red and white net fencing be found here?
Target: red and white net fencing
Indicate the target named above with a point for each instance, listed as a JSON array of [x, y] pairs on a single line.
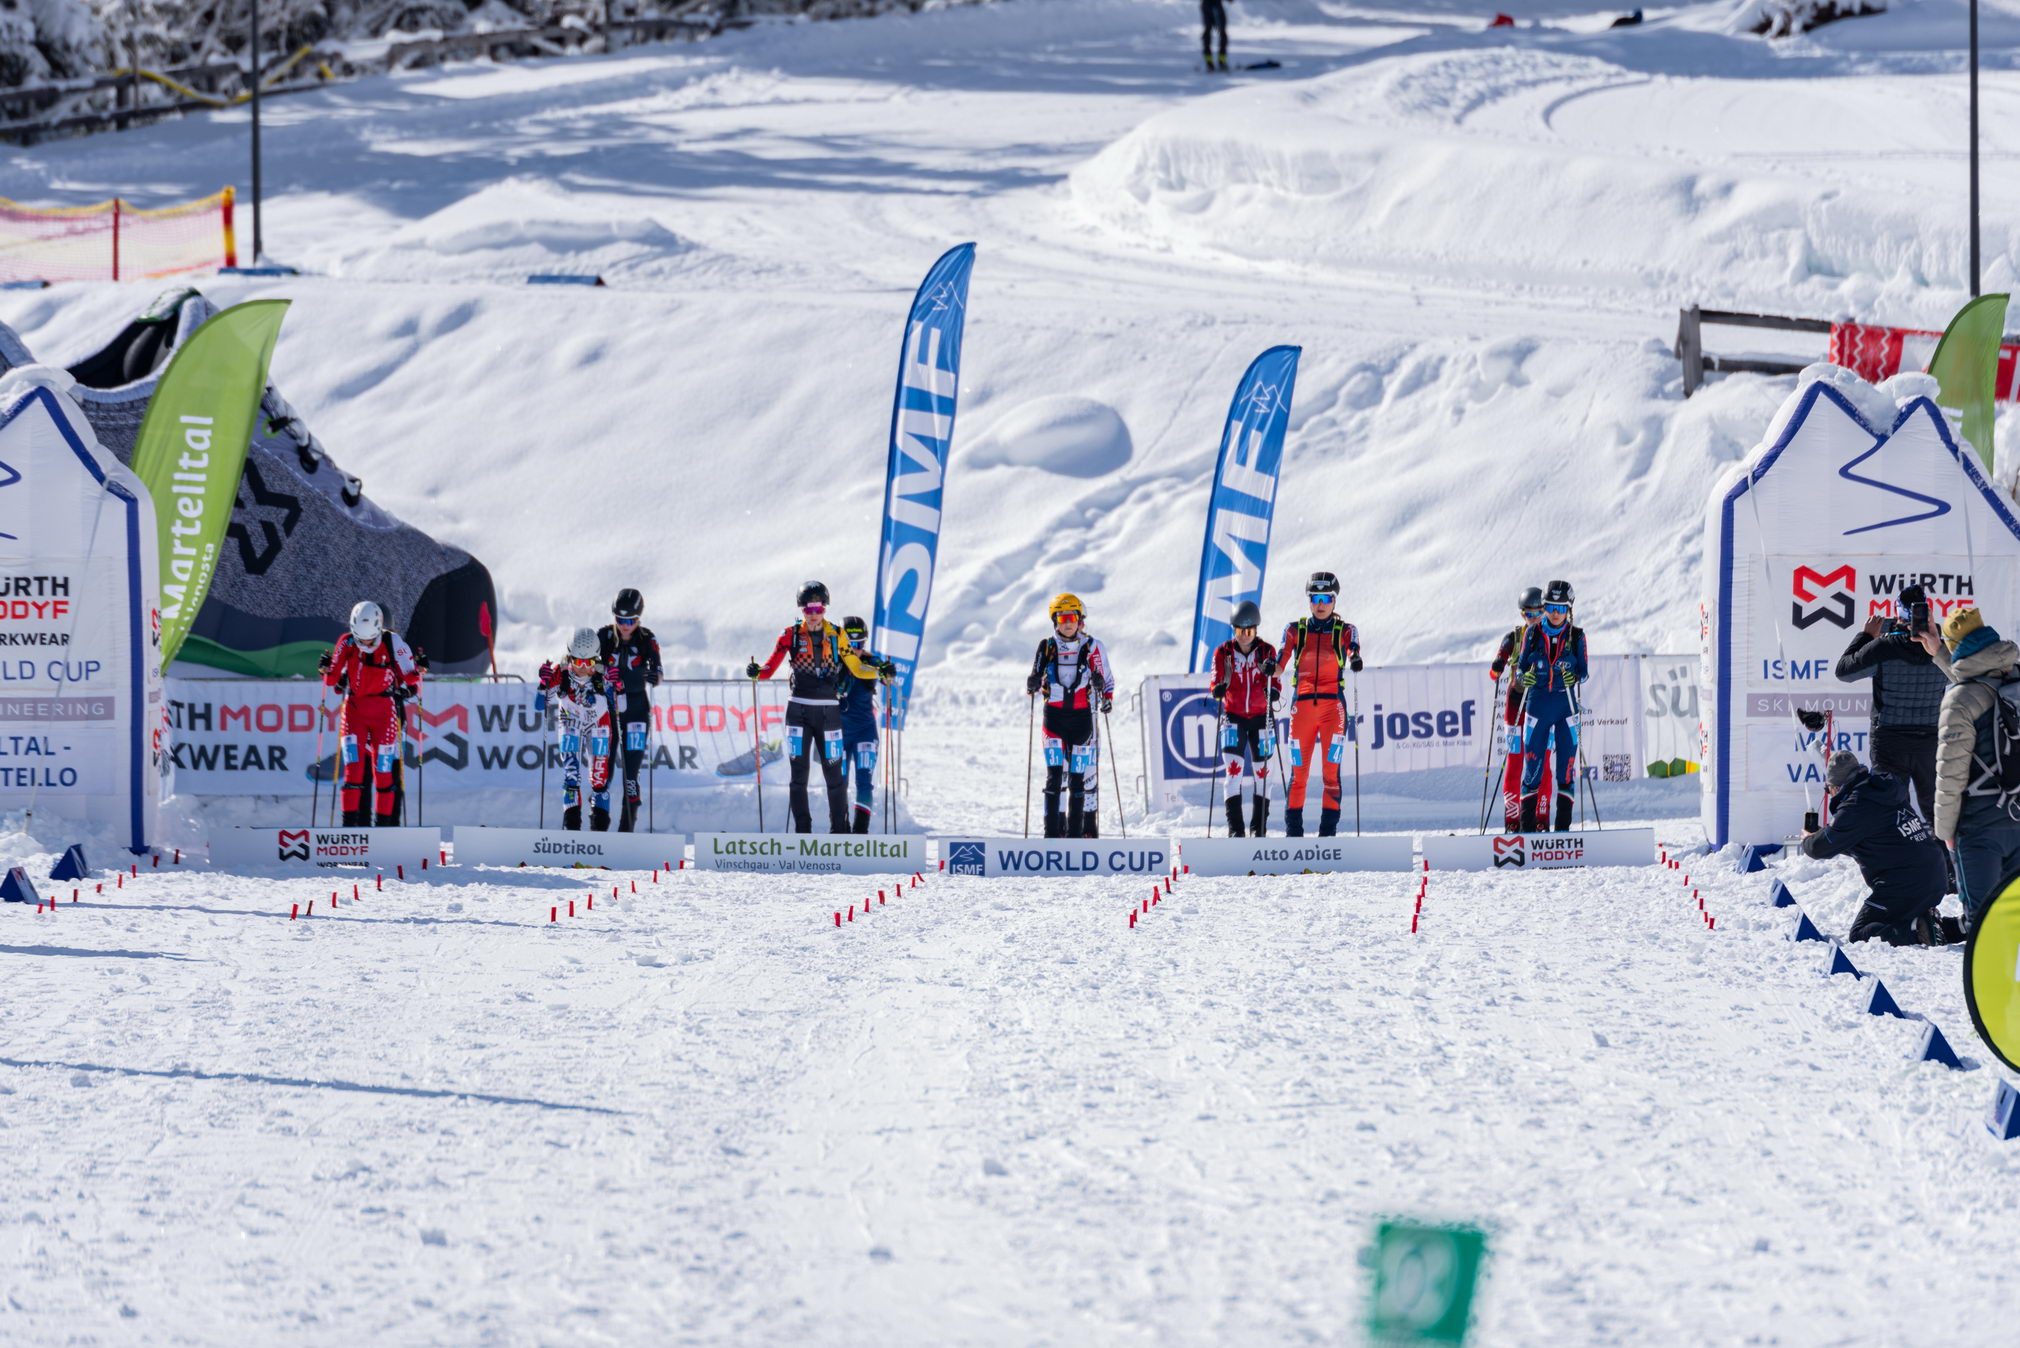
[[113, 241], [1874, 352]]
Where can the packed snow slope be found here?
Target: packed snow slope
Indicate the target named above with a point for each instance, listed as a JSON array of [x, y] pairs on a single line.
[[986, 1113], [1479, 237]]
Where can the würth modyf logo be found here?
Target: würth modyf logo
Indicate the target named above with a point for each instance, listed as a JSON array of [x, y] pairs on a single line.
[[1824, 597], [1510, 852], [294, 844]]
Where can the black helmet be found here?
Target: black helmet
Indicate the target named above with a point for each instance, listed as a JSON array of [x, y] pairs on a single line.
[[855, 628], [811, 592], [1558, 593], [1323, 582], [1532, 598], [1246, 614], [628, 604]]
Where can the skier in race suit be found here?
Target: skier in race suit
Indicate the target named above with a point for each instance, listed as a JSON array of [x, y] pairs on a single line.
[[1550, 668], [1245, 688], [821, 654], [1212, 19], [374, 673], [1317, 652], [859, 721], [1511, 713], [583, 705], [1071, 669], [630, 656]]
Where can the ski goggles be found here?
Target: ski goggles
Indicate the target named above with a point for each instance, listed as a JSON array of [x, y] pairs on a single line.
[[627, 622], [1322, 598], [1558, 610], [814, 610], [1063, 614], [581, 662], [1532, 612]]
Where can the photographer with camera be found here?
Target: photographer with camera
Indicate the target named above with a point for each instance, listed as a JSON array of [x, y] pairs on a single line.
[[1908, 689]]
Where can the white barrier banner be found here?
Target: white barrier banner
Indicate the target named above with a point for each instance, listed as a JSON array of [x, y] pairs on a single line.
[[1053, 858], [1296, 856], [1412, 718], [559, 847], [308, 847], [811, 853], [1539, 851]]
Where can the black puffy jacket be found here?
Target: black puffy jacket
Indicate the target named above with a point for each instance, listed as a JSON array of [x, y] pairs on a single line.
[[1874, 822], [1907, 685]]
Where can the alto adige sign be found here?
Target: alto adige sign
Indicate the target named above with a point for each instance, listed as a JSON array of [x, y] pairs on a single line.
[[1819, 529]]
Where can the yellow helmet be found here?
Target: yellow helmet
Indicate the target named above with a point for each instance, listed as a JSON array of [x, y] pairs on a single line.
[[1066, 603]]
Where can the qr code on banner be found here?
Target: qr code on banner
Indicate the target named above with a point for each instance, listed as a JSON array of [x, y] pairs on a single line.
[[1614, 767]]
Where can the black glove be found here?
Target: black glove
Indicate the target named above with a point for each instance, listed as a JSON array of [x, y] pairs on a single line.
[[1033, 684], [753, 670], [1107, 703], [421, 659], [329, 658], [1269, 669], [887, 667], [1218, 692], [1354, 663], [652, 678]]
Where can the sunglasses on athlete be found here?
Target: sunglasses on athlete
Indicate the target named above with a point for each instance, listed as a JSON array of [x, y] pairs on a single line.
[[814, 610], [1321, 598], [1557, 610], [627, 622]]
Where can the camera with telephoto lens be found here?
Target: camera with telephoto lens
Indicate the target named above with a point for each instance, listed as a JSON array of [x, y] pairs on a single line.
[[1915, 603]]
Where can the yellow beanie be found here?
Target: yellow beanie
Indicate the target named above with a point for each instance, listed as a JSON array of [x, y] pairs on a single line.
[[1961, 624]]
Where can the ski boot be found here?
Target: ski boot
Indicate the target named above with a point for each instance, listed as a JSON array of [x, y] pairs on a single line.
[[1258, 824], [358, 818], [599, 819], [1234, 823], [1055, 824], [571, 819], [1564, 812], [1329, 821], [1528, 820], [627, 816], [1294, 821], [862, 819], [390, 820]]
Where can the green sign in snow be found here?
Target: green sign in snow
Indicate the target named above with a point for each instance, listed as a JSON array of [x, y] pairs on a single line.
[[1424, 1279]]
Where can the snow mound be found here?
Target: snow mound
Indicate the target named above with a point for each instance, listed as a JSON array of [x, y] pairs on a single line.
[[1075, 437]]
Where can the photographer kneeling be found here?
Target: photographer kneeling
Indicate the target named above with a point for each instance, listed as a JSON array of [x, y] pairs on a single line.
[[1873, 823], [1908, 688]]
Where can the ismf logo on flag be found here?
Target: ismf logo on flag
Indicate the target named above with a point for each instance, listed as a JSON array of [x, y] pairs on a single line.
[[1510, 851], [967, 858], [294, 844], [1824, 597]]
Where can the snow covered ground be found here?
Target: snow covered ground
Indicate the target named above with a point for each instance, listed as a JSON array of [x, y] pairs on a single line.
[[990, 1113]]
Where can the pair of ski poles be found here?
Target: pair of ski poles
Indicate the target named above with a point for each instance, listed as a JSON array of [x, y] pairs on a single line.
[[1030, 738]]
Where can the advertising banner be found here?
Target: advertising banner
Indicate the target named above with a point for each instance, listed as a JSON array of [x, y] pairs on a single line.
[[922, 438], [1297, 856], [306, 848], [1825, 526], [1055, 858], [811, 853], [80, 641], [1539, 851], [558, 847], [259, 737], [1235, 556], [1413, 718]]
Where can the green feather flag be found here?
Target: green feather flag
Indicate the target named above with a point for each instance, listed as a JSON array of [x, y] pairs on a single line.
[[1966, 366]]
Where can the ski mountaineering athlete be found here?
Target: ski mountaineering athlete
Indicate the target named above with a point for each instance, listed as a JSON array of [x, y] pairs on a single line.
[[630, 656], [1245, 687], [374, 673], [1212, 19], [1318, 652], [585, 709], [821, 653], [1511, 712], [859, 720], [1072, 671], [1550, 668]]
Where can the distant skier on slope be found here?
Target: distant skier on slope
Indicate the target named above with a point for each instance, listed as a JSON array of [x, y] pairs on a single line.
[[374, 673], [584, 709], [1551, 666], [859, 720], [1512, 715], [1213, 19], [821, 654], [630, 656], [1245, 687], [1318, 652], [1071, 670]]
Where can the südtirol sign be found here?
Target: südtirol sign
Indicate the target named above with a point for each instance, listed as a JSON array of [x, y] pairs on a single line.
[[810, 853]]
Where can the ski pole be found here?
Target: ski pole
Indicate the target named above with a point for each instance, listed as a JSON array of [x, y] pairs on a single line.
[[1030, 734], [1121, 816], [1356, 728], [757, 753], [1487, 782], [540, 739], [1219, 765], [1578, 752], [315, 780]]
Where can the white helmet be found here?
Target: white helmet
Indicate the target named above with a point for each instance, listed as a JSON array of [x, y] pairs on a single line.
[[368, 622], [583, 645]]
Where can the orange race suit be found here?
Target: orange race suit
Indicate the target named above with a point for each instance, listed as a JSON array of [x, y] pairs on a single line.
[[1317, 653]]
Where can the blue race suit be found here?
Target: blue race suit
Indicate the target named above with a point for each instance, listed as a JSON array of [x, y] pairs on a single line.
[[1551, 665], [859, 741]]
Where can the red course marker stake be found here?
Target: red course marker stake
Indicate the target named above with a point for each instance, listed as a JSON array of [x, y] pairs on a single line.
[[1132, 921], [401, 871], [838, 917], [156, 863], [553, 914], [310, 911], [880, 896], [379, 882], [294, 911], [354, 892], [571, 908], [178, 856]]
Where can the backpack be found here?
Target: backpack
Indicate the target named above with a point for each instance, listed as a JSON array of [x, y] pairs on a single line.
[[2001, 777]]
